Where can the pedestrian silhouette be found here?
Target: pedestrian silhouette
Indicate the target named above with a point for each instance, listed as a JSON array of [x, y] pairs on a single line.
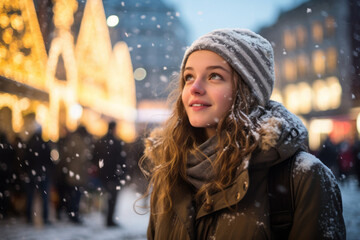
[[328, 154], [38, 167], [75, 158], [109, 157], [7, 156]]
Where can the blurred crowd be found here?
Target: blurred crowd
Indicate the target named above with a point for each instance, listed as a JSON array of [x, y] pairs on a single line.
[[343, 158], [69, 176], [78, 171]]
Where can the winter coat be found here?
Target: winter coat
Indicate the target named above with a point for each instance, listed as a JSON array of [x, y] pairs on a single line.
[[109, 156], [76, 158], [38, 163], [317, 198]]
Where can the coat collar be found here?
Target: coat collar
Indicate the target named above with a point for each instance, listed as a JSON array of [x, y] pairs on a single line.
[[184, 208]]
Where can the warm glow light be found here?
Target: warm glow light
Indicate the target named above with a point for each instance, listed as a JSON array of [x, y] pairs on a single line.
[[292, 98], [335, 91], [76, 111], [54, 155], [21, 30], [62, 45], [112, 21], [276, 96], [317, 128], [97, 77], [358, 123], [139, 74], [318, 59], [305, 94], [321, 95]]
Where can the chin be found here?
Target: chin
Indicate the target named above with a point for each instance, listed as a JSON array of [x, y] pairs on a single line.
[[202, 124]]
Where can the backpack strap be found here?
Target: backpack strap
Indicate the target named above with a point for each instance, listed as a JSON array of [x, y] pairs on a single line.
[[281, 198]]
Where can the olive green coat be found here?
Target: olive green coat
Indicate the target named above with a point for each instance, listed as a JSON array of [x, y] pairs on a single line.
[[317, 198]]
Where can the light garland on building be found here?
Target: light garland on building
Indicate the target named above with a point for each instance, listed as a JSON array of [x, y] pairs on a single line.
[[97, 78]]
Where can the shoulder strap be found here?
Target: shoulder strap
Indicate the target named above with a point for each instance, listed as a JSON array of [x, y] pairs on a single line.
[[281, 198]]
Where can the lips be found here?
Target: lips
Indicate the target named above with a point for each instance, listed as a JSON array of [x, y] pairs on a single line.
[[198, 105]]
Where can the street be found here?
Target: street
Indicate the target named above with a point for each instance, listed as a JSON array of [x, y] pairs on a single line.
[[133, 226]]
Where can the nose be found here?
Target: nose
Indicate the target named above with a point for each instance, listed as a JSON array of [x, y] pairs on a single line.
[[197, 88]]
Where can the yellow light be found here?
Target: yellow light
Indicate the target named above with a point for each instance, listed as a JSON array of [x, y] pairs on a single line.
[[321, 95], [276, 96], [54, 155], [4, 20], [292, 100], [7, 35], [17, 22], [76, 111], [321, 126], [139, 74], [317, 128], [305, 94], [24, 104], [335, 92], [358, 123]]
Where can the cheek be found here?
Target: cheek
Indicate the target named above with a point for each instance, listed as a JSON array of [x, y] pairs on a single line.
[[227, 98], [184, 98]]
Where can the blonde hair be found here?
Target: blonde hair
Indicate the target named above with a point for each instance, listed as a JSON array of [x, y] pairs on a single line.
[[168, 146]]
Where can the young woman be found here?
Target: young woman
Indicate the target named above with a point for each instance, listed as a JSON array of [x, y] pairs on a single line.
[[209, 164]]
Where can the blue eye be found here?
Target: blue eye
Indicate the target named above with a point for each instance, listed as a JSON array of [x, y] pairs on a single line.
[[215, 76], [188, 77]]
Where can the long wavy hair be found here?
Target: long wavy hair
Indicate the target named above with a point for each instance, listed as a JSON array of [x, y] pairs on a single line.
[[168, 146]]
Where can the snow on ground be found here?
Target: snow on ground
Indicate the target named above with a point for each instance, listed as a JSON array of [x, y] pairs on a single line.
[[350, 191], [133, 225]]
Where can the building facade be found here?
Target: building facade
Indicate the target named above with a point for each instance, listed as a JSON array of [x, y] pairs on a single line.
[[156, 38], [316, 48]]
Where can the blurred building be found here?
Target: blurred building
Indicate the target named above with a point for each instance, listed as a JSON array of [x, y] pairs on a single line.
[[317, 61], [157, 39], [57, 61], [87, 62]]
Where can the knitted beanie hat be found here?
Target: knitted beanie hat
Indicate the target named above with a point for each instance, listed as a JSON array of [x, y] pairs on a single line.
[[248, 53]]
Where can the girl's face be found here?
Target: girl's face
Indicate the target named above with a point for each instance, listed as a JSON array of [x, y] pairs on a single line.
[[208, 89]]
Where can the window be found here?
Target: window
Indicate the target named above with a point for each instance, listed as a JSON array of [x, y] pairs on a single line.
[[289, 70], [335, 91], [330, 25], [305, 94], [331, 59], [317, 32], [292, 98], [302, 65], [301, 35], [318, 59], [289, 40]]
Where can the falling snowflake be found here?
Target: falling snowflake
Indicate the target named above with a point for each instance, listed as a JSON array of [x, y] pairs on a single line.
[[101, 163], [308, 10]]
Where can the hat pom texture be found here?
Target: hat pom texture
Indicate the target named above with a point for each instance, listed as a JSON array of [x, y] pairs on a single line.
[[248, 53]]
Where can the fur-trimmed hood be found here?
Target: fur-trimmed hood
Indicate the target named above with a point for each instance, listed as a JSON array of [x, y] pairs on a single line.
[[281, 134]]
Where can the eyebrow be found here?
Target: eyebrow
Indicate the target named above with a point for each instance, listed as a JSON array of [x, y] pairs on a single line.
[[211, 68]]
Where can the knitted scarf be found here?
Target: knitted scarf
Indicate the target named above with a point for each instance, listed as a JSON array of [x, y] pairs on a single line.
[[199, 170]]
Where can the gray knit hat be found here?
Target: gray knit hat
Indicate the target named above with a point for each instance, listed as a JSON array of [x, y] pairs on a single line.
[[248, 53]]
